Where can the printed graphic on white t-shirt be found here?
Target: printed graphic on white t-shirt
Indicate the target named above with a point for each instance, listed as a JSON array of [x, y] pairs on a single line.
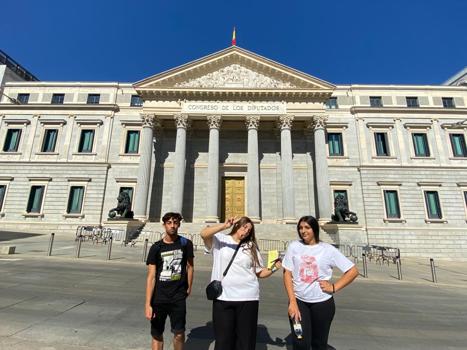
[[308, 269], [171, 265]]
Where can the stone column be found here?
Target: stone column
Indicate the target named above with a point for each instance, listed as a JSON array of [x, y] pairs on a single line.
[[288, 196], [214, 123], [253, 190], [322, 175], [144, 168], [182, 123]]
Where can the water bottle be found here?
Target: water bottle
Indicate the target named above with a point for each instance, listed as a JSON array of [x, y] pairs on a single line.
[[297, 328]]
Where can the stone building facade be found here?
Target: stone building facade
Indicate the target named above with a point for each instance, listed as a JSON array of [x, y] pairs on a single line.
[[235, 133]]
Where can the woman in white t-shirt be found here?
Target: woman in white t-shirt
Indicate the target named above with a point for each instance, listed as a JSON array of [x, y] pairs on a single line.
[[308, 265], [235, 312]]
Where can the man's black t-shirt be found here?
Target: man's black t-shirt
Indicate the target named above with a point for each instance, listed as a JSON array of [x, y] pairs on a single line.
[[171, 276]]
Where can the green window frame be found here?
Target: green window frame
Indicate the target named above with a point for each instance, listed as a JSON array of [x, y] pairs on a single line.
[[36, 196], [335, 144], [420, 144], [132, 141], [12, 139], [391, 204], [2, 196], [412, 101], [459, 148], [93, 99], [382, 144], [50, 140], [376, 101], [86, 141], [433, 205], [75, 200]]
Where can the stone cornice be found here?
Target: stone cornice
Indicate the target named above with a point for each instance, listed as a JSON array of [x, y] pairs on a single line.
[[230, 93], [408, 110], [66, 107]]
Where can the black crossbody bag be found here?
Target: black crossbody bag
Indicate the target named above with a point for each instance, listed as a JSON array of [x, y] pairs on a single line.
[[214, 289]]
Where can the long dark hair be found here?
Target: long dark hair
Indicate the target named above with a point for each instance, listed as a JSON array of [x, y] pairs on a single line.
[[310, 220], [249, 242]]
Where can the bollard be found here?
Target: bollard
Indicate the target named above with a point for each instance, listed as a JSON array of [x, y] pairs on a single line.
[[399, 269], [109, 248], [51, 242], [145, 249], [365, 266], [78, 245], [433, 271]]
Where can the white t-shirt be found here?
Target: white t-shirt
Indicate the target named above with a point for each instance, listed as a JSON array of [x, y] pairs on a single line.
[[241, 282], [311, 263]]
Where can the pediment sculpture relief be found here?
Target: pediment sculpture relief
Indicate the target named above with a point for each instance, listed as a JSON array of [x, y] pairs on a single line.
[[235, 76]]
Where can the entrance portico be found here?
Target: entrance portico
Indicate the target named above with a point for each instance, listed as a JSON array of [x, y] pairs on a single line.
[[214, 96]]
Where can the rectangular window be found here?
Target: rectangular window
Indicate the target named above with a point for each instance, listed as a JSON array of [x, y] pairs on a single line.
[[381, 144], [35, 199], [332, 103], [136, 101], [376, 101], [420, 144], [86, 141], [93, 99], [412, 102], [12, 139], [448, 102], [75, 200], [132, 141], [459, 148], [50, 139], [343, 193], [2, 196], [433, 206], [57, 99], [391, 203], [23, 98], [335, 145]]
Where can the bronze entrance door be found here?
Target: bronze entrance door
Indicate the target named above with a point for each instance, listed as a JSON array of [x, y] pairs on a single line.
[[233, 197]]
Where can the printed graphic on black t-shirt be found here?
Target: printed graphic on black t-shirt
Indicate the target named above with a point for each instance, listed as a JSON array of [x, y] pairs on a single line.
[[171, 265]]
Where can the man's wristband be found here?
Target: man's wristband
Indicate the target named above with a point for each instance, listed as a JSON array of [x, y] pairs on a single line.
[[273, 269]]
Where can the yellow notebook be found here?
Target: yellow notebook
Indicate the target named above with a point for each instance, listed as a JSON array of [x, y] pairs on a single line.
[[272, 256]]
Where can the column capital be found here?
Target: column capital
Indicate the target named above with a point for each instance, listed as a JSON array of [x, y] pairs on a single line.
[[285, 121], [182, 121], [150, 121], [319, 121], [252, 121], [214, 121]]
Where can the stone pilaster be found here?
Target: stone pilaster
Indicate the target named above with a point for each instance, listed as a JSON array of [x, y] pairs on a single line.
[[144, 168], [322, 174], [288, 195], [253, 190], [214, 123], [182, 124]]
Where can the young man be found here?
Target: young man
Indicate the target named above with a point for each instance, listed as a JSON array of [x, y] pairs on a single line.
[[168, 283]]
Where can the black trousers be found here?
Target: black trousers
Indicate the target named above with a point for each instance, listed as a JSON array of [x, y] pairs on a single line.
[[316, 323], [235, 324]]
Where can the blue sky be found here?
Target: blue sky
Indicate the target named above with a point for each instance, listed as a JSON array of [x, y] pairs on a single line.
[[341, 41]]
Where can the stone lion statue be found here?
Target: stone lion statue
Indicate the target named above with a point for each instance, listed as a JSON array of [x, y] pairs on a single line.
[[341, 211], [123, 208]]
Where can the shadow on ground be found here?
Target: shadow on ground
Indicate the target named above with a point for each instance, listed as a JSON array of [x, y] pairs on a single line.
[[9, 236], [200, 338]]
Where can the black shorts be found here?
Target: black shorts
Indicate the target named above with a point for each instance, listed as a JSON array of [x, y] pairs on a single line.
[[177, 314]]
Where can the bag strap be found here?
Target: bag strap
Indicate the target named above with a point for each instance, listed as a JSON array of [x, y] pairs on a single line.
[[231, 260]]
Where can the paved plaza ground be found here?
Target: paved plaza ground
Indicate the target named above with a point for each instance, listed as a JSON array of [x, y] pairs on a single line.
[[61, 302]]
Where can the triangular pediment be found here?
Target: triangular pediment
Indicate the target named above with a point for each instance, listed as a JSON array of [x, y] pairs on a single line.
[[233, 68]]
